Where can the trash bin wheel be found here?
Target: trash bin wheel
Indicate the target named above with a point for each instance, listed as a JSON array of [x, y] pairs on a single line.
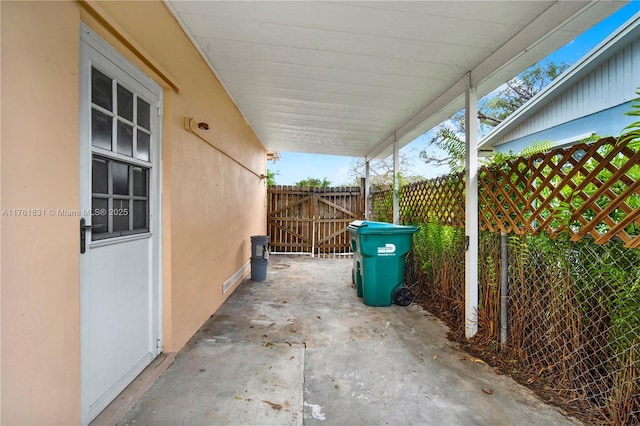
[[402, 296]]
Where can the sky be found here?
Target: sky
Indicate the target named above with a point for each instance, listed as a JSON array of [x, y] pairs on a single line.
[[294, 167]]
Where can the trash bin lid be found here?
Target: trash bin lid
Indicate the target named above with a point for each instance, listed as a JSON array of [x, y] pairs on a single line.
[[369, 227], [356, 224]]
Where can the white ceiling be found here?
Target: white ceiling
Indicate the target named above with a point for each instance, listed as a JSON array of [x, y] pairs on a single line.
[[347, 78]]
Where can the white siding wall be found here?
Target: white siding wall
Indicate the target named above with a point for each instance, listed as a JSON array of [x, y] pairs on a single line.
[[612, 83]]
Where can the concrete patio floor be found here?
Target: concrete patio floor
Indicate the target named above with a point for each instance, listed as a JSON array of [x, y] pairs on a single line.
[[301, 348]]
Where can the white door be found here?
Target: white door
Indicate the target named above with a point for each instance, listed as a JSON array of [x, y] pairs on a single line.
[[119, 227]]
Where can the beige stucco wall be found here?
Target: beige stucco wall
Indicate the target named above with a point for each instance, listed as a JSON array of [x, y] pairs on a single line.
[[40, 259], [215, 205], [211, 205]]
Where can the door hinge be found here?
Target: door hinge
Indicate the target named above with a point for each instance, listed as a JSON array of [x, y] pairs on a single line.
[[159, 111], [158, 344]]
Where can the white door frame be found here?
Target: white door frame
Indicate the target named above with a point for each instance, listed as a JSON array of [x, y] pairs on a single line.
[[93, 49]]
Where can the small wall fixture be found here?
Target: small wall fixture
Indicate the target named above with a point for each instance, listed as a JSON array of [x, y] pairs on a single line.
[[273, 156], [203, 126]]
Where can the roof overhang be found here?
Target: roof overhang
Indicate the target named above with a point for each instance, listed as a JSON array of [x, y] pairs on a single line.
[[350, 78]]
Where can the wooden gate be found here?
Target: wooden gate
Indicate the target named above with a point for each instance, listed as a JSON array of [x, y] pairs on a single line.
[[312, 220]]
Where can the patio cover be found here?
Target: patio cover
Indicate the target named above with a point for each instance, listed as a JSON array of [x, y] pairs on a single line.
[[348, 78], [365, 78]]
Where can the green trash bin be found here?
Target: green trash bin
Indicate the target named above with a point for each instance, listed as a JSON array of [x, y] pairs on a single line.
[[380, 250]]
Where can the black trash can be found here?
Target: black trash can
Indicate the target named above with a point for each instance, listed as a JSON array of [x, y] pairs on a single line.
[[259, 257]]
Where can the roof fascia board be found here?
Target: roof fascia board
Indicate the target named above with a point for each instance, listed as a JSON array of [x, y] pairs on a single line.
[[551, 20], [571, 75]]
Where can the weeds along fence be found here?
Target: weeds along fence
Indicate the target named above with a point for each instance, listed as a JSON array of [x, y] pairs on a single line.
[[570, 220]]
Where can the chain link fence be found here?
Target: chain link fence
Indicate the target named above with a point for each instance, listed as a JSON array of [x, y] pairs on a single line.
[[574, 324], [573, 328], [568, 325]]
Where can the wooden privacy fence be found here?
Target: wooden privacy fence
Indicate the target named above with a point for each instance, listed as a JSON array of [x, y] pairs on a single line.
[[312, 220], [584, 190]]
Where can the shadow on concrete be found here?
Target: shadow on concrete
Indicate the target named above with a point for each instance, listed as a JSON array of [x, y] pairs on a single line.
[[300, 347]]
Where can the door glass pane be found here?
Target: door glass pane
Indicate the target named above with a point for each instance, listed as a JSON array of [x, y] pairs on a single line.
[[144, 146], [139, 182], [143, 114], [125, 139], [120, 190], [125, 103], [99, 215], [100, 176], [139, 214], [120, 215], [101, 89], [120, 176], [101, 130]]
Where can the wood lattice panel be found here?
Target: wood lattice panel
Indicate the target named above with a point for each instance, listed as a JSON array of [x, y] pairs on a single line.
[[382, 205], [587, 189], [438, 200], [584, 190]]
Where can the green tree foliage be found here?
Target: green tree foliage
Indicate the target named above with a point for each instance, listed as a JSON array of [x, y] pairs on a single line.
[[314, 183], [518, 91], [527, 151], [449, 136], [271, 177], [631, 133], [448, 140]]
